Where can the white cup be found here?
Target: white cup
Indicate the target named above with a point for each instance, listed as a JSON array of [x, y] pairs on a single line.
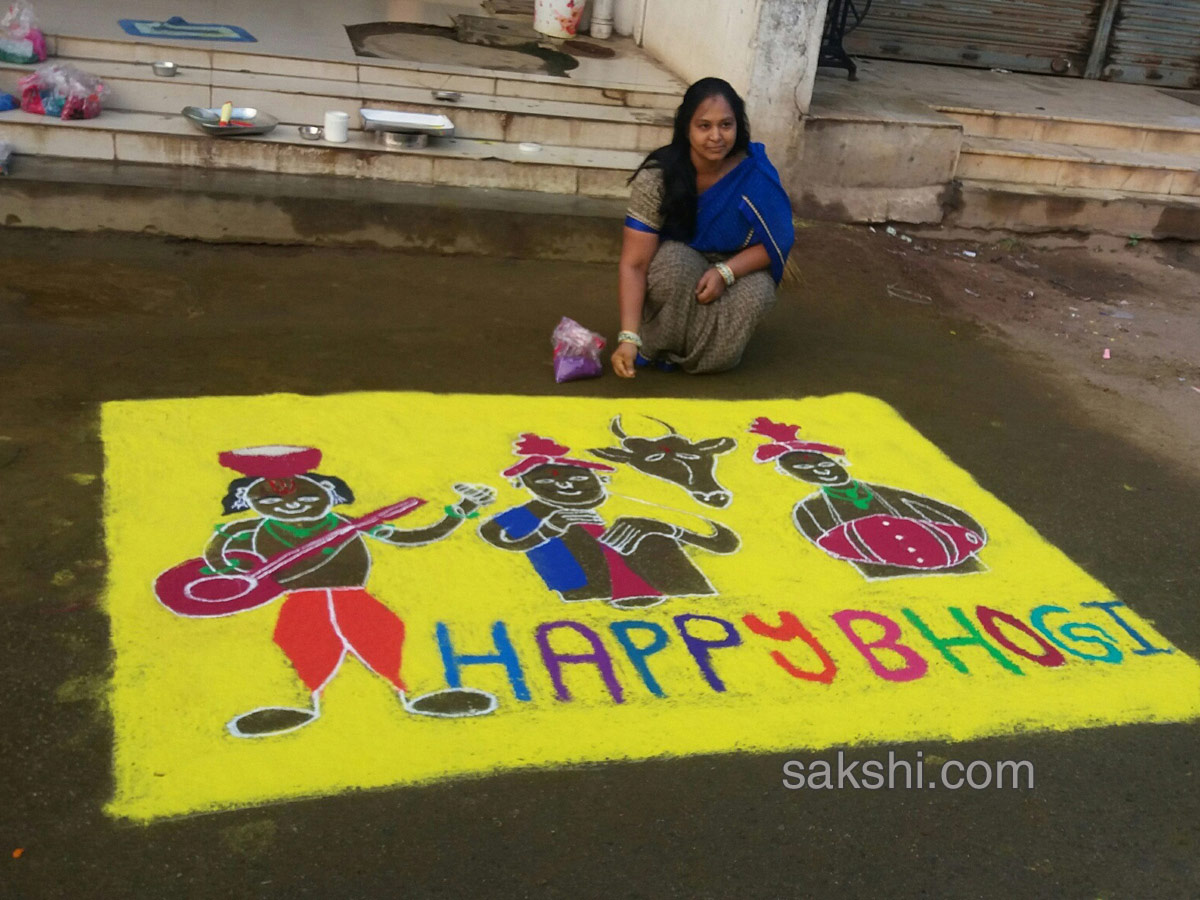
[[337, 126]]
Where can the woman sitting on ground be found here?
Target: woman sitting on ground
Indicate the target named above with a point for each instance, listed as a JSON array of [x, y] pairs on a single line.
[[706, 240]]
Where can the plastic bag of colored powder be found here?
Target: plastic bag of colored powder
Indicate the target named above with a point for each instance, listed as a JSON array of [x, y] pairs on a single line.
[[60, 89], [576, 352]]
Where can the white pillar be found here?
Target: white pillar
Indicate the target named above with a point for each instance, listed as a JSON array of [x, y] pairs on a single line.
[[783, 71]]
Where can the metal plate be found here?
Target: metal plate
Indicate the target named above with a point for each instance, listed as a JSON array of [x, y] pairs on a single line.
[[208, 120]]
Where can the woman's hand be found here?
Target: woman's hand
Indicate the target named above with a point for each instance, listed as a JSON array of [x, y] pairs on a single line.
[[623, 360], [710, 287], [561, 520]]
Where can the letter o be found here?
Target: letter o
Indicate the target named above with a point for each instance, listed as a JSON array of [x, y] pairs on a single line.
[[1050, 657], [987, 769]]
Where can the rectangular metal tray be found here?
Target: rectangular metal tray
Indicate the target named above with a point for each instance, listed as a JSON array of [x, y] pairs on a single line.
[[406, 122]]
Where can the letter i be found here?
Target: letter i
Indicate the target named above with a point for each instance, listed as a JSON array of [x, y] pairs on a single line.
[[1110, 607]]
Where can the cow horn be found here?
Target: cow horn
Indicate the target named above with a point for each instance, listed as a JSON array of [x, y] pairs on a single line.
[[663, 424], [615, 425]]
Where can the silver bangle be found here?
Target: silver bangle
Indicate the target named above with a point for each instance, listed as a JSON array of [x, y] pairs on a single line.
[[726, 273], [629, 337]]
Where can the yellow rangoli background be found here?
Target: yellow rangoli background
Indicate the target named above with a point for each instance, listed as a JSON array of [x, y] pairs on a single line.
[[178, 681]]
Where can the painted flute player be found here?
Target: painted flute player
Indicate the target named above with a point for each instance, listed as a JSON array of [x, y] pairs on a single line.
[[707, 237], [633, 563]]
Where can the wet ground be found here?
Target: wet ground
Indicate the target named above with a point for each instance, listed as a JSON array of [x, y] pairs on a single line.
[[1115, 812]]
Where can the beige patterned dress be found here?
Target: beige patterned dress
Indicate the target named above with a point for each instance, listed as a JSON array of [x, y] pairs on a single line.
[[699, 337]]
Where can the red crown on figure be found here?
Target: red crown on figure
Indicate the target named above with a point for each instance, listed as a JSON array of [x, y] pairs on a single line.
[[785, 439], [541, 451]]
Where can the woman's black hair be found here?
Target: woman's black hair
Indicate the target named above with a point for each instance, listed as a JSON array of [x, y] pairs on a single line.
[[675, 159], [235, 497]]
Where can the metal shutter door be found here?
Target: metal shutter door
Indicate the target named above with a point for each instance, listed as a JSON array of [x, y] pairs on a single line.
[[1045, 36], [1156, 42]]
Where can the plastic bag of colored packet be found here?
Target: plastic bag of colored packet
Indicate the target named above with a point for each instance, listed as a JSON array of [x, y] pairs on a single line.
[[59, 89], [576, 352], [21, 40]]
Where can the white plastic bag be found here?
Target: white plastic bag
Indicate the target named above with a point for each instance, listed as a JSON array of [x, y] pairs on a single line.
[[21, 39]]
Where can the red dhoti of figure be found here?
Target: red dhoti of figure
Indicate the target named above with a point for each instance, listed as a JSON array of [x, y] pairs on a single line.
[[317, 627]]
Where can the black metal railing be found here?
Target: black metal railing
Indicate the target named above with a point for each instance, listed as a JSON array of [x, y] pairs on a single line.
[[841, 18]]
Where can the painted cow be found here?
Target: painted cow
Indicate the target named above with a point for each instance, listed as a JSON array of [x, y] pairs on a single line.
[[690, 464]]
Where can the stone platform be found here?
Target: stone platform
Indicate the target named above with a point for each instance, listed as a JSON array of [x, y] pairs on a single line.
[[996, 150]]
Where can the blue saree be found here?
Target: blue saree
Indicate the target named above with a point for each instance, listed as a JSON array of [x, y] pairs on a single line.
[[747, 206]]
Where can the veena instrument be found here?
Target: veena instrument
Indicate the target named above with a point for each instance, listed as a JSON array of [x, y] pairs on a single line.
[[193, 589]]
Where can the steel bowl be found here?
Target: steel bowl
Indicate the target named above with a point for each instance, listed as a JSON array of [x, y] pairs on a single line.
[[401, 140], [311, 132], [165, 69]]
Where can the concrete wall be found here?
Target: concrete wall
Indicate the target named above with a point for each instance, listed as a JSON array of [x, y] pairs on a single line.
[[628, 18], [245, 207], [697, 38], [857, 170]]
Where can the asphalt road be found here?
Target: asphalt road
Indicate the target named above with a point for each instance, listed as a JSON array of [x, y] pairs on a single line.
[[1115, 812]]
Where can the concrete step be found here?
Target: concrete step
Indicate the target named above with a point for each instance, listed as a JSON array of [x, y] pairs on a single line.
[[1068, 166], [118, 136], [387, 72], [1113, 135], [1001, 206], [299, 100], [257, 207]]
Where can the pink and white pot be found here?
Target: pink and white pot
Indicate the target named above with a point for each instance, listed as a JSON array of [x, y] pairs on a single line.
[[558, 18]]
